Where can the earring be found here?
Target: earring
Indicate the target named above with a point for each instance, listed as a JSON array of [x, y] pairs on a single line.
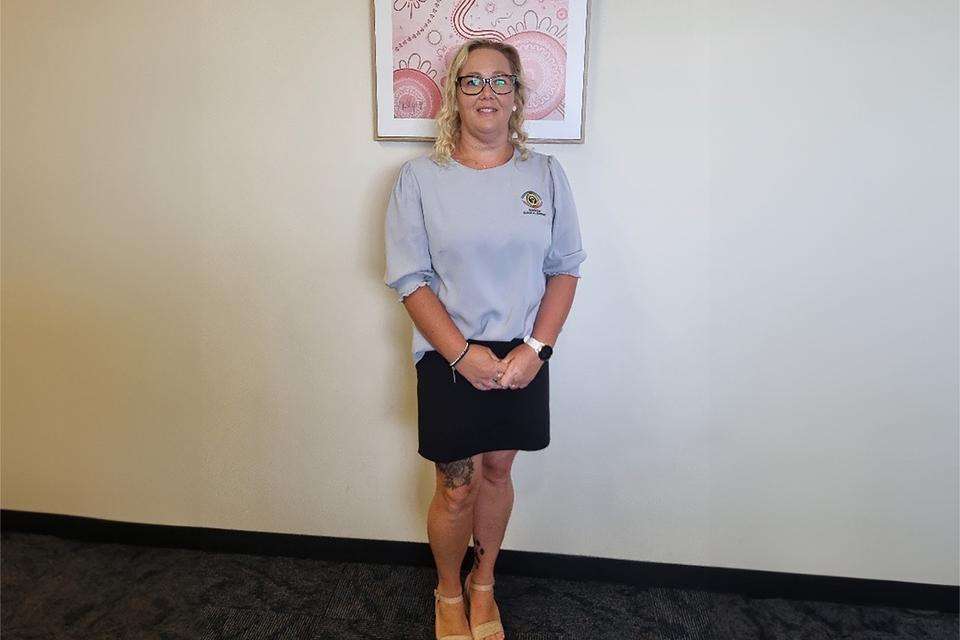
[[514, 107]]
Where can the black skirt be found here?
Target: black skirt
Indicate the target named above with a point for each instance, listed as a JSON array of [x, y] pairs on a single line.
[[456, 420]]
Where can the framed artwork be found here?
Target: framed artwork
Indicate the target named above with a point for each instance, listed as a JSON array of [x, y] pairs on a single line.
[[415, 40]]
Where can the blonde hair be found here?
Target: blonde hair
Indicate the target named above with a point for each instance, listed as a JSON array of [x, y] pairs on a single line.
[[448, 119]]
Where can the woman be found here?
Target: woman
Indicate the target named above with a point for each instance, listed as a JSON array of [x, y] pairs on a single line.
[[483, 248]]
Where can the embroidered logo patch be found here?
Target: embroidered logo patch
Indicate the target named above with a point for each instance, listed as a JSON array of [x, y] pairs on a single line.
[[533, 202]]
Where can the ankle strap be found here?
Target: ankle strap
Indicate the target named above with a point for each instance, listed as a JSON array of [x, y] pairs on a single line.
[[482, 587], [446, 599]]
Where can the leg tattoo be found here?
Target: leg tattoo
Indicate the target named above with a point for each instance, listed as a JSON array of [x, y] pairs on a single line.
[[457, 473], [477, 552]]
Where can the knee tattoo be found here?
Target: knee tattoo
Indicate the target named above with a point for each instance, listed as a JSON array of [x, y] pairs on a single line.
[[456, 473]]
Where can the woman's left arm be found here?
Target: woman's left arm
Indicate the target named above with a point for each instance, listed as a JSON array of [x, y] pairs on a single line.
[[554, 308], [561, 264], [561, 267], [523, 363]]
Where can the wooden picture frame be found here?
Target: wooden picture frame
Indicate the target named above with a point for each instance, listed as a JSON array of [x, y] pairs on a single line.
[[414, 40]]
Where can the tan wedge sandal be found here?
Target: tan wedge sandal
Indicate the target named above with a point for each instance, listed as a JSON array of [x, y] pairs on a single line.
[[436, 612], [483, 629]]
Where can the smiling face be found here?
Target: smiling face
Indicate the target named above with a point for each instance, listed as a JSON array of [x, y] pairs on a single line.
[[487, 114]]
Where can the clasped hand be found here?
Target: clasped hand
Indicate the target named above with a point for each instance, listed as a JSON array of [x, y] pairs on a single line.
[[481, 366]]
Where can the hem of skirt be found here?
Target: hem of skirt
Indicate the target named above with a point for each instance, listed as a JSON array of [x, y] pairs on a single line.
[[529, 449]]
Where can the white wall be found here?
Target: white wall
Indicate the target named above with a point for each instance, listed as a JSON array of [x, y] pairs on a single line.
[[760, 369]]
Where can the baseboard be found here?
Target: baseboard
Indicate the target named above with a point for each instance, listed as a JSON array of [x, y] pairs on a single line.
[[746, 582]]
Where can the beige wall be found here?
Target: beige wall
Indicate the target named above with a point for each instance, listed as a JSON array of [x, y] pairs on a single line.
[[760, 369]]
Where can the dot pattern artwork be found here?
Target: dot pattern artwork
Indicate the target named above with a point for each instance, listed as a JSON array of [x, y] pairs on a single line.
[[428, 33]]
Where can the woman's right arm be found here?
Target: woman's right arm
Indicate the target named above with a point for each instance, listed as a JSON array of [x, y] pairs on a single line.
[[409, 270], [479, 365], [433, 321]]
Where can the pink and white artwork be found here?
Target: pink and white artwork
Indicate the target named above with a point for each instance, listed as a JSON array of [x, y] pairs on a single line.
[[417, 39]]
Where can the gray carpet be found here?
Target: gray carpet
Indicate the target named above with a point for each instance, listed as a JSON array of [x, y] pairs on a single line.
[[57, 588]]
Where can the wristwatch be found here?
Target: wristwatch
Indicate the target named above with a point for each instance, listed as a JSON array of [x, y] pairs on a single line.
[[543, 350]]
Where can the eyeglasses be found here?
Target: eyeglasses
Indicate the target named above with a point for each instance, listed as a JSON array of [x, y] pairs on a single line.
[[502, 84]]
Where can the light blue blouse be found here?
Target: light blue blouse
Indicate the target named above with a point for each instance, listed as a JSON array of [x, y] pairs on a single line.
[[484, 240]]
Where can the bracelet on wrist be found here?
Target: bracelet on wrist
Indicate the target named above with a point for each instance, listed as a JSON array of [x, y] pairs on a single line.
[[454, 363]]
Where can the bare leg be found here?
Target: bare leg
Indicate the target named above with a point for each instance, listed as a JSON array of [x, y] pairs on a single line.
[[449, 524], [491, 514]]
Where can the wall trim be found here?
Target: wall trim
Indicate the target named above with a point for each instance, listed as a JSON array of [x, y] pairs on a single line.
[[746, 582]]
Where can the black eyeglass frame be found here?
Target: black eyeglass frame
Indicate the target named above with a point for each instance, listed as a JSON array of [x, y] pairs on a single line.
[[514, 79]]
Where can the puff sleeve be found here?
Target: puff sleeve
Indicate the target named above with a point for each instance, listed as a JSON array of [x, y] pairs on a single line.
[[566, 252], [408, 255]]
